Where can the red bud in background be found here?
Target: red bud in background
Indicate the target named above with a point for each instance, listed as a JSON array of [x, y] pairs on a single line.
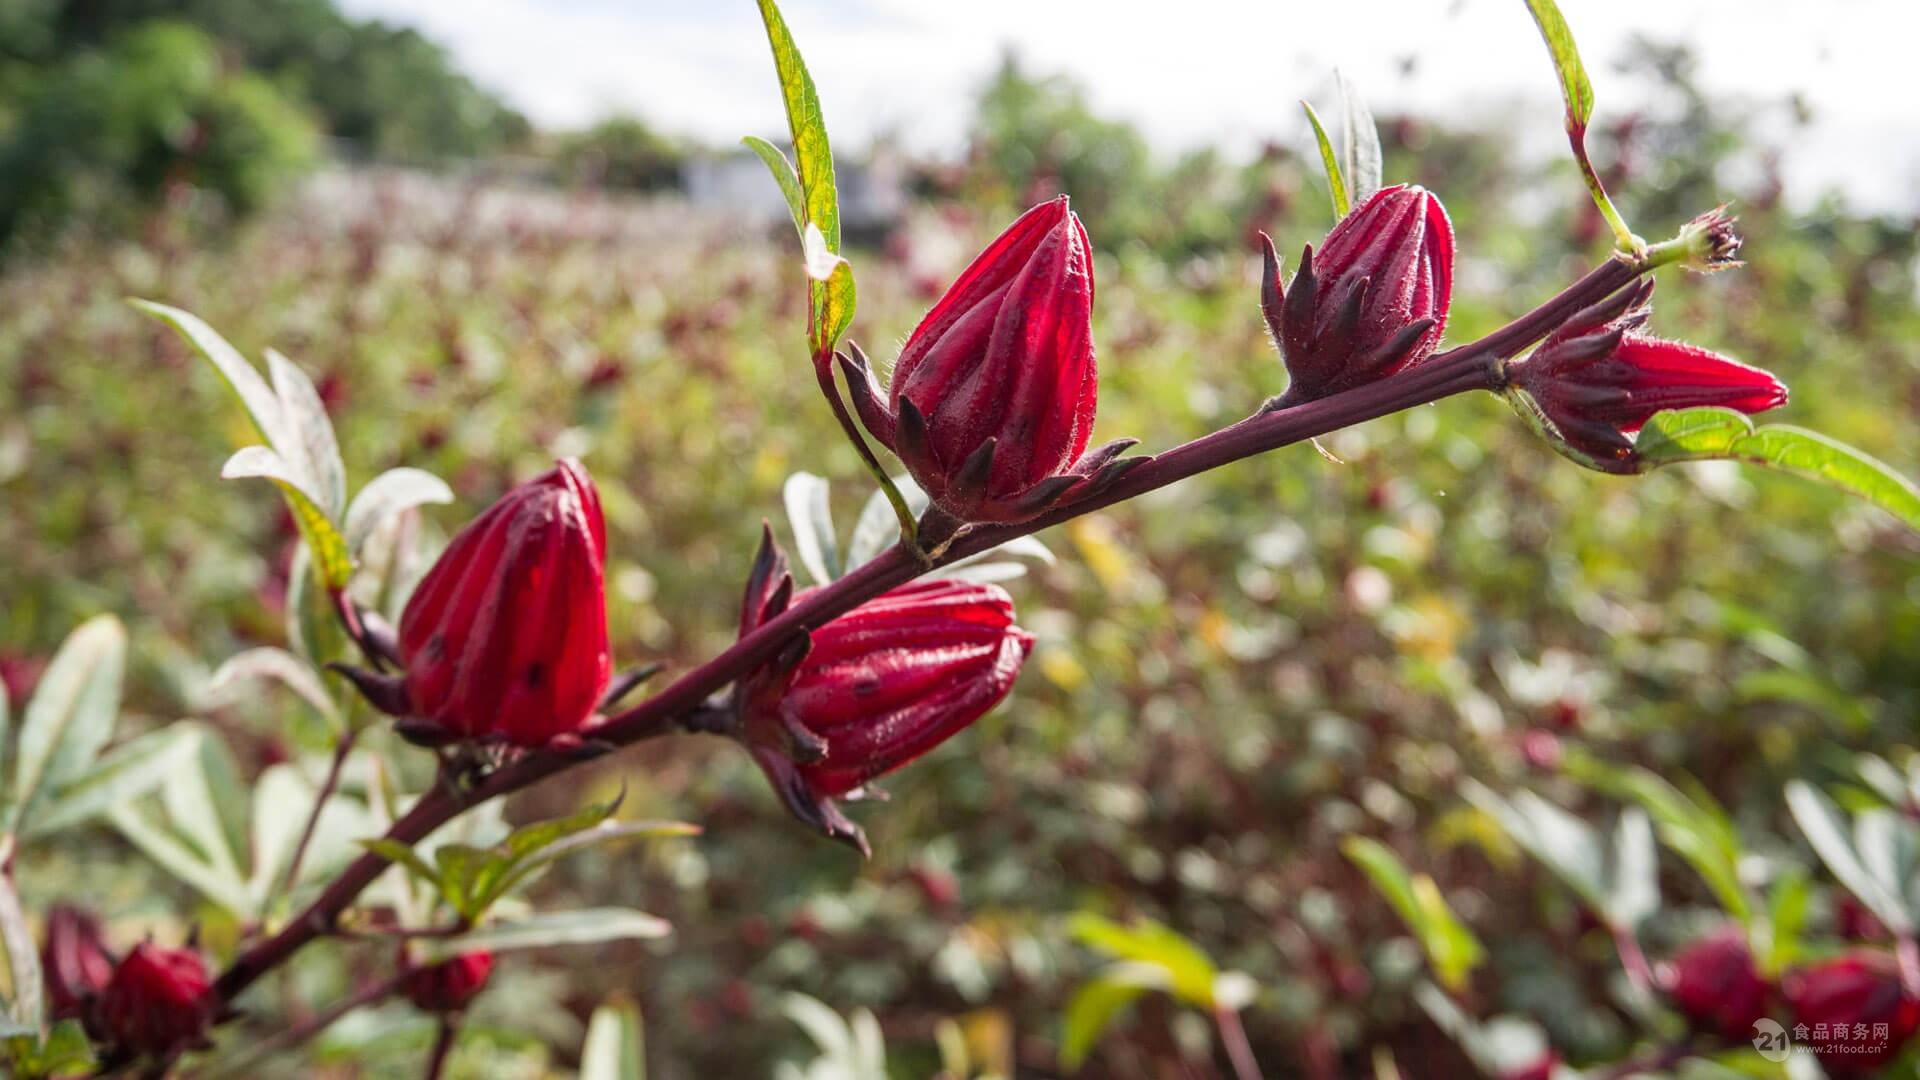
[[992, 399], [878, 687], [157, 1001], [450, 985], [506, 637], [1597, 380], [74, 963], [1860, 1001], [1714, 984], [1371, 301]]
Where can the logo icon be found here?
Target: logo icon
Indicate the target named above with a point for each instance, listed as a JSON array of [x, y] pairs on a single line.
[[1771, 1040]]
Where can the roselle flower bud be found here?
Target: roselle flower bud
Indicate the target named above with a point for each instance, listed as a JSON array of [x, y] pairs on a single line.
[[156, 1002], [992, 399], [506, 637], [449, 986], [1371, 301], [1597, 380], [1715, 985], [1861, 1004], [875, 689], [74, 963]]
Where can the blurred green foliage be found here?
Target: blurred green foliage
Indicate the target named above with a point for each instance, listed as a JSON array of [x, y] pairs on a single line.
[[1232, 676]]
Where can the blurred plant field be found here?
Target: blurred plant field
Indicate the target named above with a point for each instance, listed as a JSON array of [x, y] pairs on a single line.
[[1232, 676]]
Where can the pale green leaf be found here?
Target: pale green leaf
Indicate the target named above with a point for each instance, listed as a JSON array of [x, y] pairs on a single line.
[[811, 516], [206, 805], [333, 561], [256, 396], [278, 665], [1697, 829], [1699, 434], [1451, 948], [615, 1048], [123, 774], [1359, 144], [220, 886], [1633, 892], [586, 926], [25, 1010], [392, 492], [71, 715], [1336, 182], [401, 855], [783, 175], [312, 447], [1575, 90], [1826, 831]]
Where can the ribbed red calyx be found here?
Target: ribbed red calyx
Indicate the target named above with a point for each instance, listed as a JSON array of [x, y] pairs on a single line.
[[1371, 301], [505, 639], [74, 962], [1597, 379], [450, 985], [1715, 984], [875, 688], [992, 399], [1861, 1003], [156, 1002]]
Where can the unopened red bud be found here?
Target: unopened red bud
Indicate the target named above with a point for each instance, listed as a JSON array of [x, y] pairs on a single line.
[[1371, 301], [992, 400], [74, 963], [506, 637], [1716, 986], [157, 1001], [1861, 1003], [873, 689], [1598, 379], [449, 986]]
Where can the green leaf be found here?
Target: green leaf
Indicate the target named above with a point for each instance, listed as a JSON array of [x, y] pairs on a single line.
[[64, 1051], [392, 492], [333, 561], [222, 887], [615, 1048], [811, 516], [1095, 1006], [586, 926], [1707, 433], [279, 665], [1359, 144], [1336, 183], [1191, 974], [401, 855], [25, 1009], [783, 175], [831, 301], [1633, 893], [1697, 829], [1575, 90], [1825, 829], [1561, 842], [71, 715], [124, 774], [1788, 903], [311, 627], [262, 404], [206, 806], [603, 833], [1451, 948], [312, 448]]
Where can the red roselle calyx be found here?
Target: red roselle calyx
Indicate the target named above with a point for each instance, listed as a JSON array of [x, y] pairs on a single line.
[[873, 689], [1861, 1004], [74, 963], [156, 1002], [1714, 984], [505, 639], [1598, 379], [1371, 301], [992, 399], [450, 985]]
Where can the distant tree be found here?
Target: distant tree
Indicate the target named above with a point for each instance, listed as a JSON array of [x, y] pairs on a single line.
[[621, 152]]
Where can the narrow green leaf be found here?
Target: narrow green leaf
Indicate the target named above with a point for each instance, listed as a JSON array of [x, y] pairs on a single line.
[[277, 665], [458, 866], [1633, 892], [1090, 1012], [615, 1048], [71, 715], [206, 805], [586, 926], [332, 559], [1696, 828], [1451, 948], [392, 492], [783, 175], [1700, 434], [256, 396], [1359, 144], [223, 888], [401, 855], [811, 516], [1788, 904], [126, 773], [1336, 183], [26, 1009], [311, 627], [1191, 973], [1561, 842], [604, 833], [1575, 90], [313, 449], [813, 157], [1825, 830]]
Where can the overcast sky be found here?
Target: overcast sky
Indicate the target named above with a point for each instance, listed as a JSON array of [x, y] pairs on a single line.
[[1195, 71]]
